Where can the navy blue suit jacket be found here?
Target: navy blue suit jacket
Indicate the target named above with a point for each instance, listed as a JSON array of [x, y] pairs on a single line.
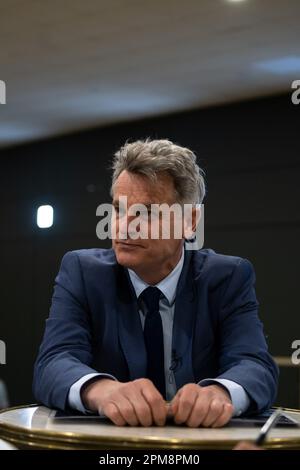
[[94, 325]]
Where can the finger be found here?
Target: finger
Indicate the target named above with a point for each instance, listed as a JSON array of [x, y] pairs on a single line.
[[112, 412], [244, 445], [224, 417], [126, 410], [186, 403], [141, 408], [169, 410], [174, 404], [199, 412], [175, 401], [215, 410], [156, 404]]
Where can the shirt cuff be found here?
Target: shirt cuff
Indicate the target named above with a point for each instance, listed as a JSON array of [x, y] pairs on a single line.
[[74, 396], [238, 395]]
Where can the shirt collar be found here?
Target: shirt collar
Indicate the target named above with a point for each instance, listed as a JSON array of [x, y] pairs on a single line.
[[167, 285]]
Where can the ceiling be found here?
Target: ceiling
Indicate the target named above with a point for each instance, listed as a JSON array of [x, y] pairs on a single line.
[[71, 64]]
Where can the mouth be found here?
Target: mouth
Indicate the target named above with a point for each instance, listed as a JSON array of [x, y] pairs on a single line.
[[128, 245]]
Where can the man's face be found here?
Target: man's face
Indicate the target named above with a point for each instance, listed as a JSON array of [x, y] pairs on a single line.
[[143, 254]]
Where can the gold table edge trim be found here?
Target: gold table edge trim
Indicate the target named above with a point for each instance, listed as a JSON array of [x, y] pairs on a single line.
[[41, 439]]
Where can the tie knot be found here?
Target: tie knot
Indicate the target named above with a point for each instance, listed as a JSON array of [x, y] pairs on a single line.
[[151, 296]]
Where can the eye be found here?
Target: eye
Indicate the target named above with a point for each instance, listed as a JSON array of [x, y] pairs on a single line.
[[119, 211], [141, 213]]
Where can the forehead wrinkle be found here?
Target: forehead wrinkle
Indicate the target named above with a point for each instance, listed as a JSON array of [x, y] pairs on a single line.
[[140, 190]]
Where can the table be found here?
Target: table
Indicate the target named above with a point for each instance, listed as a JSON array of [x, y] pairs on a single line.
[[6, 446], [33, 427]]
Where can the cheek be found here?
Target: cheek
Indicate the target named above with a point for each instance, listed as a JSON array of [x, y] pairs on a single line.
[[167, 229], [158, 248], [114, 225], [167, 248]]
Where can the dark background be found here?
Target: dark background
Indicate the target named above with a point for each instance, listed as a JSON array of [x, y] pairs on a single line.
[[250, 153]]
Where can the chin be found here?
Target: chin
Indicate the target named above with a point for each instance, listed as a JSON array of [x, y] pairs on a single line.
[[129, 260]]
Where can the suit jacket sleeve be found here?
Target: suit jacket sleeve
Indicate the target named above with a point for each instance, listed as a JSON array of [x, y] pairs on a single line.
[[66, 349], [244, 354]]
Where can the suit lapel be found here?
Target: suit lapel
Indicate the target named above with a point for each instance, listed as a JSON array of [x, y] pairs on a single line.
[[130, 328], [183, 326]]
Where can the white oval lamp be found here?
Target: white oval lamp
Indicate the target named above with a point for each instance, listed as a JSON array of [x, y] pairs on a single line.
[[44, 216]]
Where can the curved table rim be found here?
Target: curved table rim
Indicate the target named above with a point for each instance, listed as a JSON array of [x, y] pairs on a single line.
[[65, 440]]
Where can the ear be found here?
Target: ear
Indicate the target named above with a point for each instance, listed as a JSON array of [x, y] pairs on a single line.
[[192, 216]]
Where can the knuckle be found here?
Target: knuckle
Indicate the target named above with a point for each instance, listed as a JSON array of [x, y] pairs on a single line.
[[206, 392], [190, 387], [112, 413], [228, 408], [146, 381], [143, 381], [186, 387], [108, 408], [216, 405], [155, 399]]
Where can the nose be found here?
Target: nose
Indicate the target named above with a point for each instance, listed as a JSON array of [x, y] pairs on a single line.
[[123, 227]]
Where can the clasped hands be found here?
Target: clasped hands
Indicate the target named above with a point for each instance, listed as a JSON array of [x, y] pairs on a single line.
[[139, 403]]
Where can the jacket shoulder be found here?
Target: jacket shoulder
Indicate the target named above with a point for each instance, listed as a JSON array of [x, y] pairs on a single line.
[[91, 257], [218, 265]]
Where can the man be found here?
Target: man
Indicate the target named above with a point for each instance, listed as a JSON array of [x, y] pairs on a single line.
[[149, 329]]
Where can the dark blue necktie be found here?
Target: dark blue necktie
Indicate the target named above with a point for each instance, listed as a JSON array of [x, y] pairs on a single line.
[[154, 340]]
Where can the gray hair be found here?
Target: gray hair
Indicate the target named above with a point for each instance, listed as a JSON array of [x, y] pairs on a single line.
[[149, 157]]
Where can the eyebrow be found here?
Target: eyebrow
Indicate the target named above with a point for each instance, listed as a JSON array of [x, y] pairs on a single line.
[[147, 204]]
